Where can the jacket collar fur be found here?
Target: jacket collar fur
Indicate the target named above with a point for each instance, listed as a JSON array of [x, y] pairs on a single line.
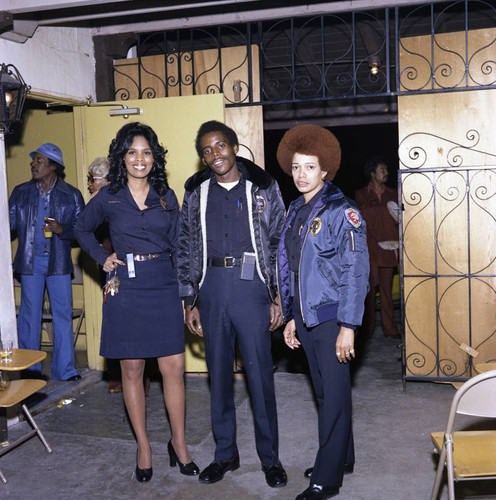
[[250, 171]]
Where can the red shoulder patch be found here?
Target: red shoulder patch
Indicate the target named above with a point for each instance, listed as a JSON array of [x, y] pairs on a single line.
[[353, 217]]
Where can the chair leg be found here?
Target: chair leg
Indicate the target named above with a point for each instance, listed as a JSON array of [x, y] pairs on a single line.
[[78, 326], [38, 431], [439, 474], [450, 472], [2, 477]]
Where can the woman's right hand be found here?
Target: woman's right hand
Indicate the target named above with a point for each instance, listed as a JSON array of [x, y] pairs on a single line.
[[112, 262], [290, 335]]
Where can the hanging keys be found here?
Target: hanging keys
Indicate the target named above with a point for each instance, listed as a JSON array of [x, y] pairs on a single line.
[[111, 286]]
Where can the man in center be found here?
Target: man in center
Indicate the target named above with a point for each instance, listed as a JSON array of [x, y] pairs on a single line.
[[231, 220]]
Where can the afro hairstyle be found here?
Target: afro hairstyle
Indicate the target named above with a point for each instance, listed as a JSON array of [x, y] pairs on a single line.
[[310, 140]]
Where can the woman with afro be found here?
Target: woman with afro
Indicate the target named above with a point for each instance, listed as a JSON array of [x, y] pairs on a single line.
[[323, 279]]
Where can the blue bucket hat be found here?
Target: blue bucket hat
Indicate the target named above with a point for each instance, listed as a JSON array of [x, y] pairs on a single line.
[[51, 151]]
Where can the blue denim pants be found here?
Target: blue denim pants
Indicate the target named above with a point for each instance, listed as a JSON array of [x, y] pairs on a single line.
[[29, 318]]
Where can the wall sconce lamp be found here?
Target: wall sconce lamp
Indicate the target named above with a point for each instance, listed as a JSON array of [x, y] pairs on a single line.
[[374, 64], [125, 111], [13, 90]]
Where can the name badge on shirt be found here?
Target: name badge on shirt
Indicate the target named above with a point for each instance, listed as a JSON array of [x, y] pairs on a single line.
[[130, 265]]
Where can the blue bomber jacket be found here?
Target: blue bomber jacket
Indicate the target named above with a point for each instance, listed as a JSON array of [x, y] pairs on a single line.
[[265, 217], [334, 261], [66, 204]]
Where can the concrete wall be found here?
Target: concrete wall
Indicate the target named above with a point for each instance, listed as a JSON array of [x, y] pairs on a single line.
[[55, 61]]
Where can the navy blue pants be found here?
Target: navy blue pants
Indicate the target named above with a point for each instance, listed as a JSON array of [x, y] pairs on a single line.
[[332, 386], [231, 308]]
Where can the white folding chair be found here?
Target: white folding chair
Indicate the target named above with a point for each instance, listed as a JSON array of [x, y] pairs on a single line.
[[471, 454]]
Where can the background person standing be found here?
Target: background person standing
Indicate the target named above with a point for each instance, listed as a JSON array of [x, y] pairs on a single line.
[[43, 213], [97, 178], [372, 202]]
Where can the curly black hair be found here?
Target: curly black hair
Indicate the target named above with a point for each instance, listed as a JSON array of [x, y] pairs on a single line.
[[59, 169], [119, 146], [371, 165], [215, 126]]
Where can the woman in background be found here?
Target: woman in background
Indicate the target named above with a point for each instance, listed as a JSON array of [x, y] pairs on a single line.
[[142, 311], [97, 178]]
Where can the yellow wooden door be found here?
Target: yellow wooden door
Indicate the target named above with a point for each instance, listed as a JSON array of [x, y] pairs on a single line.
[[176, 121]]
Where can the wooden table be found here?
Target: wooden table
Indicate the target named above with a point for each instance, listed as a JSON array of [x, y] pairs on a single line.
[[18, 390], [22, 359], [15, 393]]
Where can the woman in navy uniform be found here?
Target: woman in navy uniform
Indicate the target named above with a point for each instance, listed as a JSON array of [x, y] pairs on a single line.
[[323, 277], [142, 311]]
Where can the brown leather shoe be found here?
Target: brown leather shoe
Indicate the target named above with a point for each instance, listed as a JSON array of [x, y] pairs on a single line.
[[114, 386]]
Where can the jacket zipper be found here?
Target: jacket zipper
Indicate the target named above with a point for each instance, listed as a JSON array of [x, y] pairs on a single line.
[[267, 278], [299, 263]]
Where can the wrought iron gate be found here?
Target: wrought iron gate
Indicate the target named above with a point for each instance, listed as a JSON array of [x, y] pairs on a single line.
[[448, 260]]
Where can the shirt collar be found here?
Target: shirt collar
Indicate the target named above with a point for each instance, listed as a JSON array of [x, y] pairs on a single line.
[[371, 188], [314, 199], [242, 180]]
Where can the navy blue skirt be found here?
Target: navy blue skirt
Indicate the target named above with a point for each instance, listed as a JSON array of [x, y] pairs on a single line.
[[145, 318]]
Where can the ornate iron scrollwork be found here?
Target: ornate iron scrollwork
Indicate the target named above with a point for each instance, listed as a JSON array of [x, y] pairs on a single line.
[[324, 57]]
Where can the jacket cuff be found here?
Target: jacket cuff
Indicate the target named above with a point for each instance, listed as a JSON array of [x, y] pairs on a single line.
[[188, 301], [346, 325]]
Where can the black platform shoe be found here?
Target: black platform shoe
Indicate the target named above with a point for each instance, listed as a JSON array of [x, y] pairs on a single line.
[[190, 469], [143, 475]]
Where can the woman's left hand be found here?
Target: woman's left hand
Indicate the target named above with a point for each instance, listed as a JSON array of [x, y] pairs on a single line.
[[345, 345]]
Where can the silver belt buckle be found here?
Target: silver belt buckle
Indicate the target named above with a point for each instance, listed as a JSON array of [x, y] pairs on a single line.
[[226, 265]]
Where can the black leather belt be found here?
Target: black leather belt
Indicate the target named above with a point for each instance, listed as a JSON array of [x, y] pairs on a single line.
[[227, 262]]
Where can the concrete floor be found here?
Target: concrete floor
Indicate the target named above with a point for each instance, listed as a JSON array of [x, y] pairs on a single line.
[[94, 448]]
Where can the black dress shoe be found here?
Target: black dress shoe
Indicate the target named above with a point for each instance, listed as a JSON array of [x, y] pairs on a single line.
[[216, 470], [73, 378], [348, 469], [190, 469], [275, 475], [317, 492]]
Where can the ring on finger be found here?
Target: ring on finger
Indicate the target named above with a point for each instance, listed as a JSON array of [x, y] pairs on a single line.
[[338, 353]]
